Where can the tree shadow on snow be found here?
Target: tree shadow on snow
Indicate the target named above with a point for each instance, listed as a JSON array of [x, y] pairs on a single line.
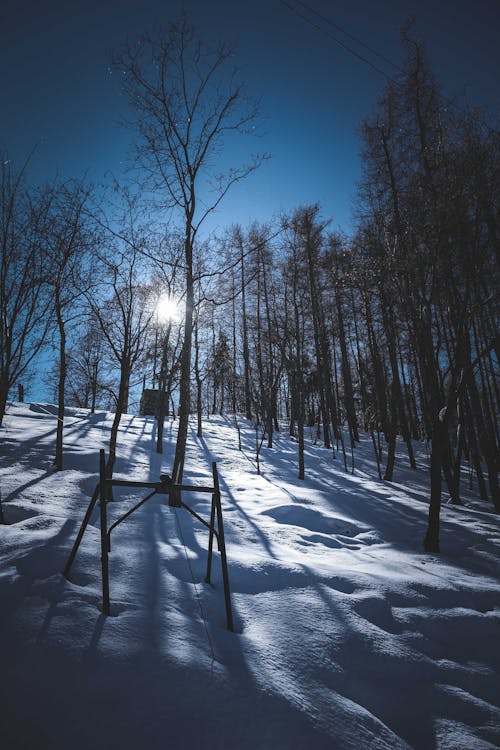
[[226, 493]]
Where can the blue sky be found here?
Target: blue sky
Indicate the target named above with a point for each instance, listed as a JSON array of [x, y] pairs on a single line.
[[58, 91]]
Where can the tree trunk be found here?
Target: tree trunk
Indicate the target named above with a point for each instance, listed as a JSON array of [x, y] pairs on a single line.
[[185, 379], [431, 540], [94, 389], [346, 373], [119, 410], [269, 385], [391, 448], [246, 351], [4, 393], [398, 412], [199, 382], [296, 373], [58, 461]]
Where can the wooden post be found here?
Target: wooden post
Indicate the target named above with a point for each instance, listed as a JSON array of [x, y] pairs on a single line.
[[103, 498], [79, 537], [210, 540], [165, 486], [222, 547]]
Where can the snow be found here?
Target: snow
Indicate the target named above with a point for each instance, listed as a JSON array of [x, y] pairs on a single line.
[[346, 634]]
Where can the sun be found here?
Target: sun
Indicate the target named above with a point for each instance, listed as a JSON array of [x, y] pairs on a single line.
[[167, 310]]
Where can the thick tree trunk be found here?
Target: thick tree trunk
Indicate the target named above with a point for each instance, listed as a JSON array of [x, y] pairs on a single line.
[[398, 412], [93, 390], [487, 446], [431, 540], [346, 373], [300, 432], [199, 407], [185, 380], [164, 391], [58, 461], [121, 404], [246, 351], [4, 394], [392, 435], [380, 394], [271, 403], [199, 382], [234, 405], [296, 376]]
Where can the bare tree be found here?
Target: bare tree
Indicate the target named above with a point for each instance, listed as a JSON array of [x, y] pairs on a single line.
[[24, 303], [124, 316], [85, 363], [187, 102], [67, 242], [431, 238], [164, 253]]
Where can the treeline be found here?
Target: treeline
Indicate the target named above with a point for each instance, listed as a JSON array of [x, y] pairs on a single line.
[[392, 331], [395, 330]]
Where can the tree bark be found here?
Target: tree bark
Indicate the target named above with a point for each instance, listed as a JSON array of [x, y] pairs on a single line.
[[185, 378], [58, 461]]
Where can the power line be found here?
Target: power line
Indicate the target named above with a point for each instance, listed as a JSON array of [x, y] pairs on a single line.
[[350, 36], [338, 41], [448, 102]]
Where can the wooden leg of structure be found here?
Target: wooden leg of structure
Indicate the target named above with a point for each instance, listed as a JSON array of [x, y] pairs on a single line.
[[81, 532], [210, 541], [222, 547], [103, 498]]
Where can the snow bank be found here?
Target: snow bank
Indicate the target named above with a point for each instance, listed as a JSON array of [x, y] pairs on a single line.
[[347, 636]]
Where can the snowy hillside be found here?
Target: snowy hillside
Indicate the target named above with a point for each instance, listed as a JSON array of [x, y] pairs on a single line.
[[347, 635]]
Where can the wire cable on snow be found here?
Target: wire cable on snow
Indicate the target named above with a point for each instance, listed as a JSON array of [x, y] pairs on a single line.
[[195, 587]]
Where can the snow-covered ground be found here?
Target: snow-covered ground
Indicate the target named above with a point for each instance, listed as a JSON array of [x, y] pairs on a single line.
[[347, 635]]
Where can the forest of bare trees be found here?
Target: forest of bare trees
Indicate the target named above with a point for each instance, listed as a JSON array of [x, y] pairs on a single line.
[[391, 332]]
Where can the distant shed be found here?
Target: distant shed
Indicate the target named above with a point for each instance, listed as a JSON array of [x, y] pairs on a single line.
[[150, 399]]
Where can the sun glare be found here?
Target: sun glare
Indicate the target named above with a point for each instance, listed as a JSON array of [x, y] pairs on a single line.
[[167, 310]]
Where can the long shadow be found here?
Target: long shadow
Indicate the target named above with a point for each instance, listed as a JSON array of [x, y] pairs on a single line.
[[55, 599], [230, 649], [227, 493], [40, 563], [39, 449], [153, 529], [25, 452], [19, 490], [187, 529], [92, 651], [398, 693], [246, 685], [161, 462], [149, 573], [348, 495], [367, 676], [332, 681], [378, 509]]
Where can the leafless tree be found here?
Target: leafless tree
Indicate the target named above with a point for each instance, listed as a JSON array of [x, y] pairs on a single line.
[[188, 103], [67, 244], [124, 310], [85, 365], [24, 302]]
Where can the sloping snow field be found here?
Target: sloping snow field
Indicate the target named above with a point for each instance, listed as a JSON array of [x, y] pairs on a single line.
[[347, 635]]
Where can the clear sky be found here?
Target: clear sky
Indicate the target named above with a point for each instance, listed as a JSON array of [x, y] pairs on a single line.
[[59, 92]]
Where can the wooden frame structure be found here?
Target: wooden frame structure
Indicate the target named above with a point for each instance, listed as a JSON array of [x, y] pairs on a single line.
[[165, 486]]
